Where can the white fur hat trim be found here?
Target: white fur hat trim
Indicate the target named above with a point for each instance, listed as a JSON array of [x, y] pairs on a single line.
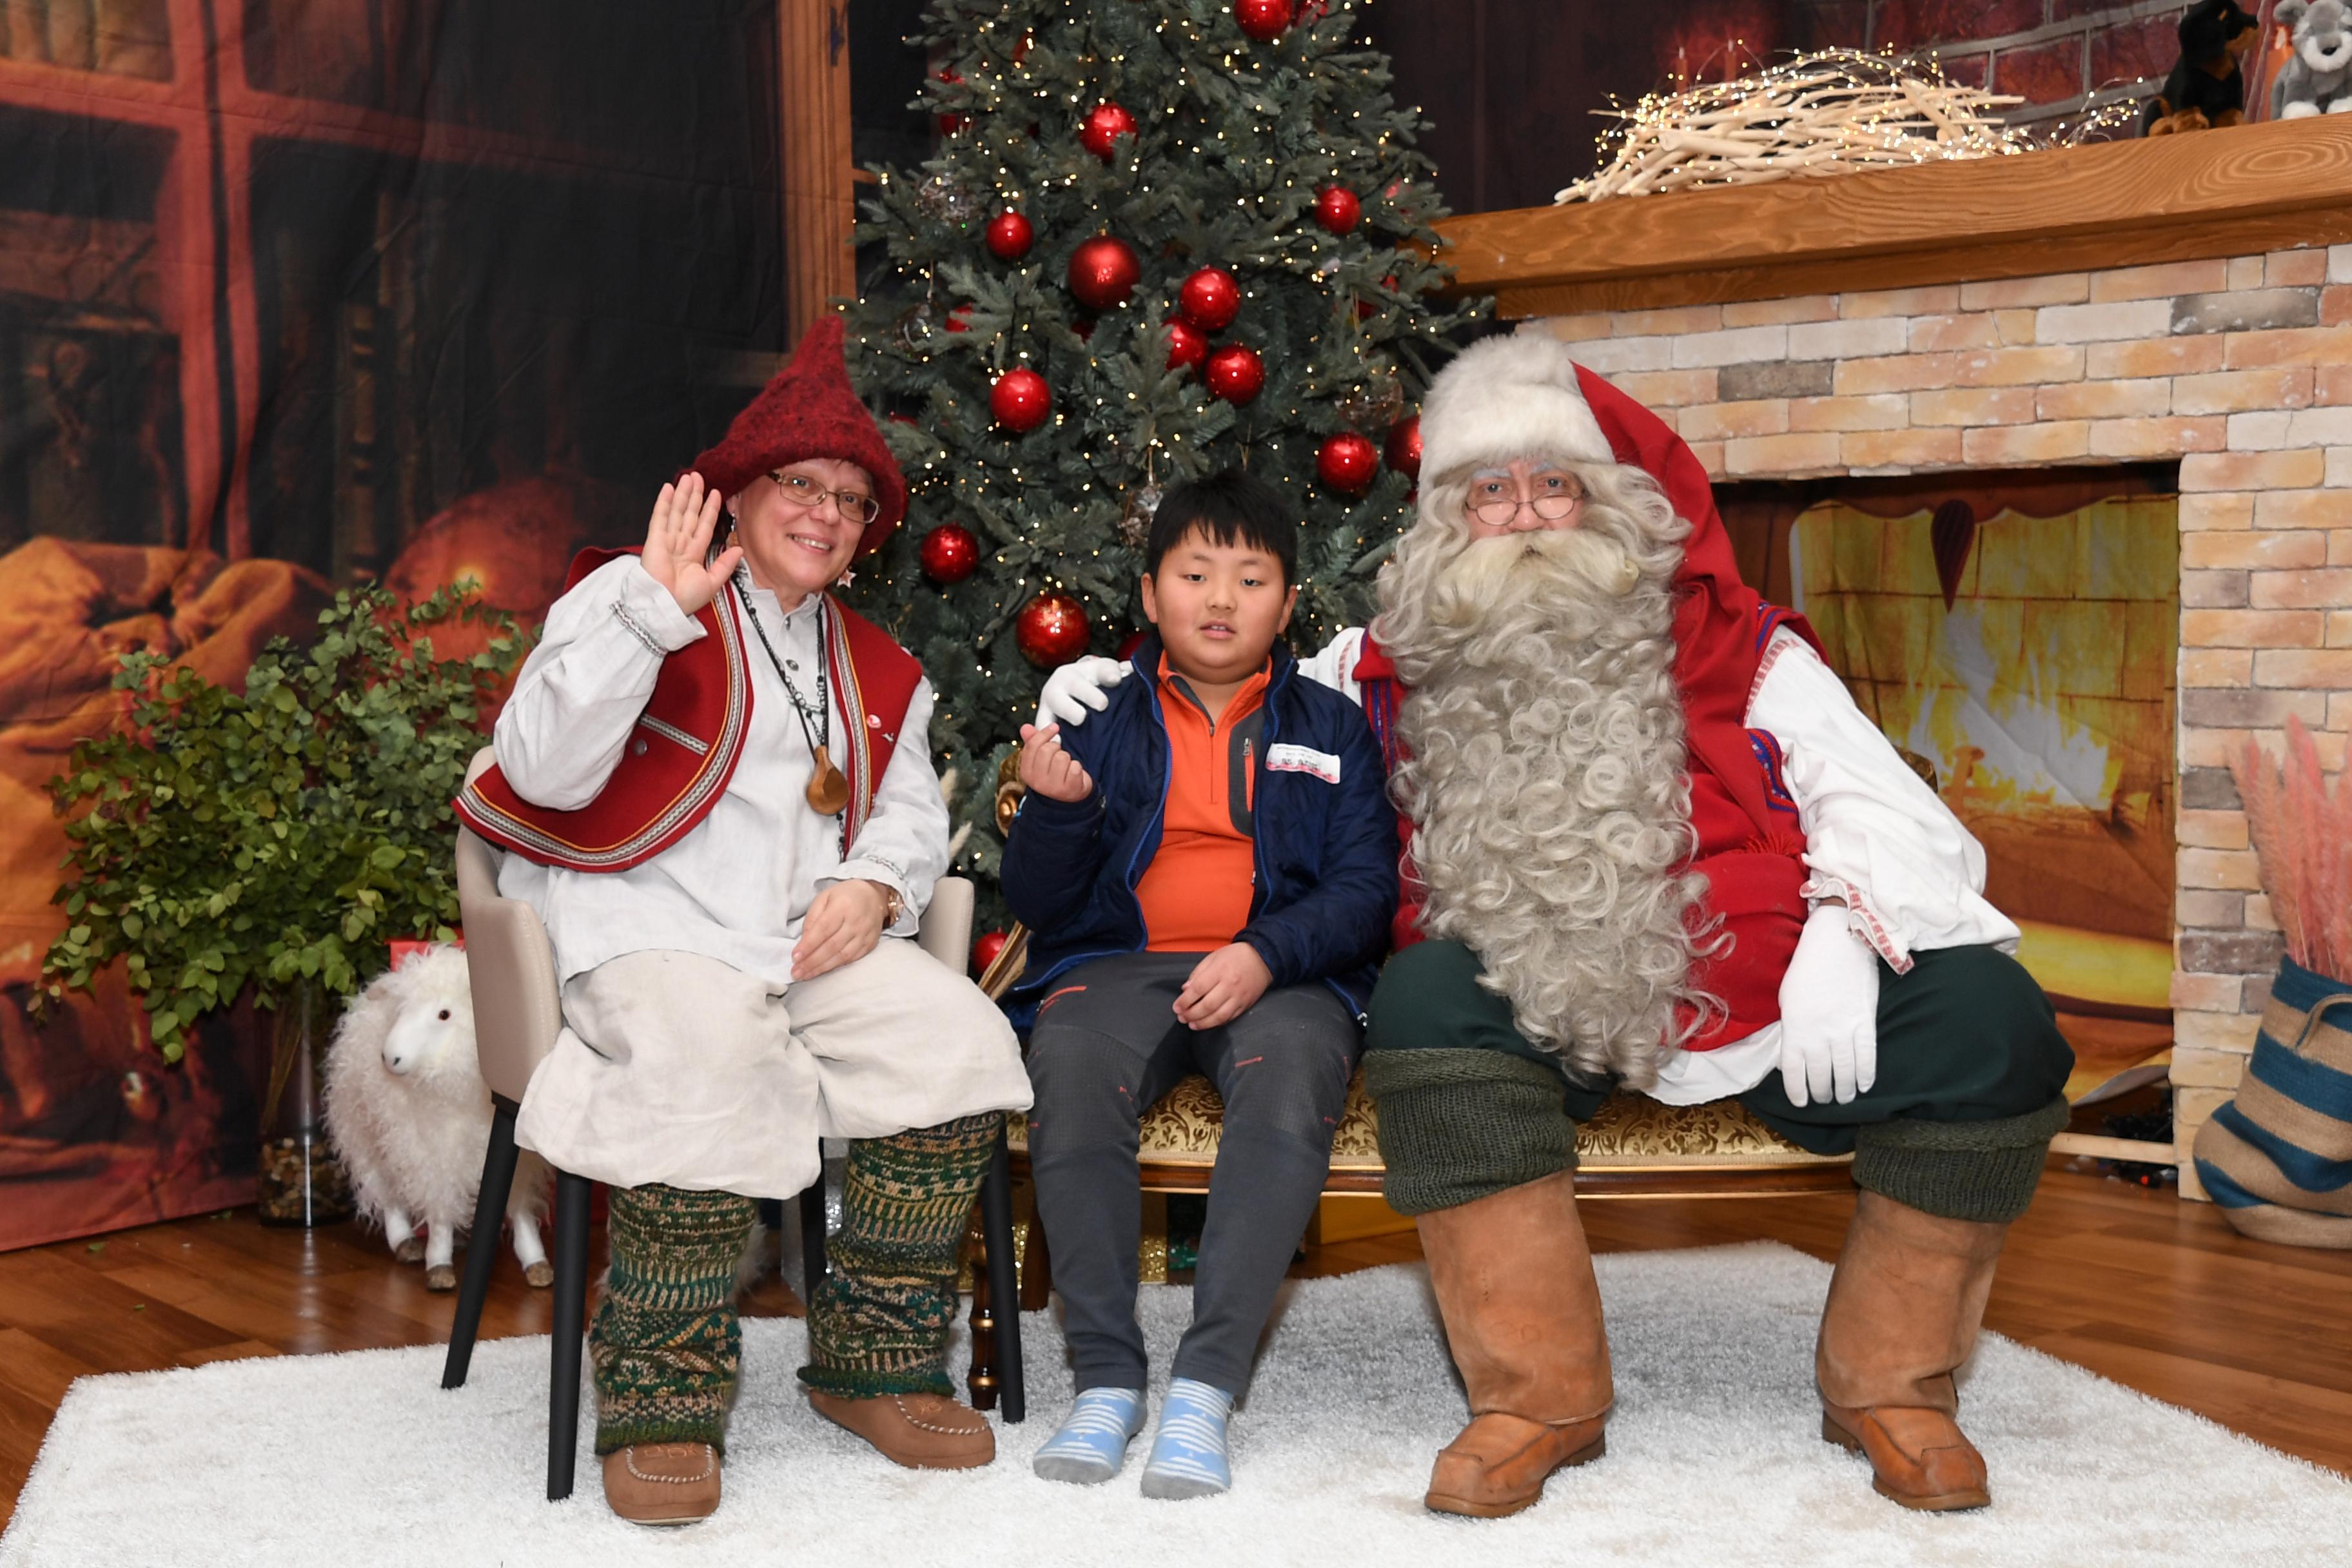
[[1505, 398]]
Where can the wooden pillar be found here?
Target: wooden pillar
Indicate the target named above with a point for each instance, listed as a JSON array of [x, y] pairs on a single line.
[[820, 210]]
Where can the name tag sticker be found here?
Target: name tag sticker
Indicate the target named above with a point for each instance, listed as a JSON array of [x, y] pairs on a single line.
[[1289, 759]]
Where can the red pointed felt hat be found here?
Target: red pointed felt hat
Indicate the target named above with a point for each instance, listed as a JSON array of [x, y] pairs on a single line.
[[809, 411]]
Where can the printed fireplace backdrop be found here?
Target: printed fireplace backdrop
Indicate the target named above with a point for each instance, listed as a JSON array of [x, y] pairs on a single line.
[[2017, 634], [296, 292]]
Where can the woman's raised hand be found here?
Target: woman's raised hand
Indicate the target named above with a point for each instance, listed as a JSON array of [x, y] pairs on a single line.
[[679, 537]]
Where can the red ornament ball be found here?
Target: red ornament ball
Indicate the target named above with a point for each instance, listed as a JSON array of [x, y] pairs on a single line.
[[1019, 400], [960, 318], [1128, 644], [1052, 630], [950, 124], [984, 951], [1210, 298], [950, 552], [1348, 463], [1265, 20], [1105, 124], [1010, 235], [1187, 344], [1336, 209], [1236, 373], [1404, 447], [1104, 272]]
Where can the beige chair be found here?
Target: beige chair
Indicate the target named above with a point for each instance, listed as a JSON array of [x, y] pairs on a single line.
[[517, 1016]]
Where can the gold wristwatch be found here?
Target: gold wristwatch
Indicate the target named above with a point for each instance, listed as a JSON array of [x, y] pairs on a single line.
[[893, 907]]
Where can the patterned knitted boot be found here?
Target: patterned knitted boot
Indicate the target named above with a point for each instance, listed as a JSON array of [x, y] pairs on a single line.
[[878, 1327], [664, 1344]]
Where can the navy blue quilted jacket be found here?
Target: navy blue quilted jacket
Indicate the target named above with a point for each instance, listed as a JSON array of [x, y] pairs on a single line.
[[1325, 882]]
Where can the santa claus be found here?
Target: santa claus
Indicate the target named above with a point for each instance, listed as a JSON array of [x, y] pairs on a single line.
[[1655, 845]]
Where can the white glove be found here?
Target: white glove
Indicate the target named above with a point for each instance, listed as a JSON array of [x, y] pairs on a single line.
[[1829, 1012], [1076, 688]]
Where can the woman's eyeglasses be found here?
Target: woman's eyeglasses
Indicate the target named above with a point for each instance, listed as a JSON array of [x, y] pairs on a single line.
[[806, 493]]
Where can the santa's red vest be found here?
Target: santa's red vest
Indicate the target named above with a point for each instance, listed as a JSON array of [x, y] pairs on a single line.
[[690, 736], [1750, 849]]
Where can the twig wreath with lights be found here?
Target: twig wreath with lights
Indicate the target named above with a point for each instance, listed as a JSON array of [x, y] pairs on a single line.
[[1838, 111], [1157, 238]]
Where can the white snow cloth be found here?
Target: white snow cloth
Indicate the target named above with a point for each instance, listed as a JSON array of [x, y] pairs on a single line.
[[1715, 1459], [738, 886]]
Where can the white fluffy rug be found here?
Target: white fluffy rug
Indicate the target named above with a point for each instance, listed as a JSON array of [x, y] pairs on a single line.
[[1714, 1460]]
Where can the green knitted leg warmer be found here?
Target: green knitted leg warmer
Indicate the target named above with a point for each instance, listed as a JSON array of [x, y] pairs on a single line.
[[1983, 1172], [879, 1323], [1457, 1126], [665, 1346]]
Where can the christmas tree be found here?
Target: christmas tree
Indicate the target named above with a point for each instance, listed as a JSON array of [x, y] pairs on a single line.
[[1158, 238]]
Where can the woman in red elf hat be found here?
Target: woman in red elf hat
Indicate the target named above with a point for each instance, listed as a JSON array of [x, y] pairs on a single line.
[[715, 783]]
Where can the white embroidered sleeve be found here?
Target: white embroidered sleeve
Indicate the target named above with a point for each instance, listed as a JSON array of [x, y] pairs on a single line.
[[560, 736], [1334, 666], [904, 843], [1875, 835]]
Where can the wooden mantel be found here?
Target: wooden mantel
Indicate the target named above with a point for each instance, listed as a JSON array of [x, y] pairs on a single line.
[[2241, 191]]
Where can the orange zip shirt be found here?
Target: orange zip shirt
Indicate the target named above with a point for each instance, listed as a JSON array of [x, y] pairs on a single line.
[[1195, 894]]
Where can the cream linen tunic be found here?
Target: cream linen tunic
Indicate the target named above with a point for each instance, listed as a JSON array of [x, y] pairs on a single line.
[[689, 1054]]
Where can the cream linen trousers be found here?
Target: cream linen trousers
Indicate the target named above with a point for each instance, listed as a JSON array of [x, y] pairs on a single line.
[[677, 1068]]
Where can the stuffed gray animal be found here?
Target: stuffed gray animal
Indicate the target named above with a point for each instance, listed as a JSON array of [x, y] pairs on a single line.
[[2318, 78]]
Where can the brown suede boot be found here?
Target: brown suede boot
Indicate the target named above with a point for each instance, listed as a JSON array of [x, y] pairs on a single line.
[[1903, 1314], [1514, 1283]]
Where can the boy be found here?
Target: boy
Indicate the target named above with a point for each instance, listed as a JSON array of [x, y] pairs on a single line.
[[1208, 870]]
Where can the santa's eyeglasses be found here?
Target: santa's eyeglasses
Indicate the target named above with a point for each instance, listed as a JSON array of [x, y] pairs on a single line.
[[1555, 496], [806, 493]]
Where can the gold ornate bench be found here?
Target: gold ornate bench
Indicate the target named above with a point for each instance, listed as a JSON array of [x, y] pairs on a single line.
[[1635, 1148]]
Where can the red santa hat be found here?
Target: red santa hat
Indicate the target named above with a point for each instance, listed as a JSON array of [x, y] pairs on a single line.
[[810, 411]]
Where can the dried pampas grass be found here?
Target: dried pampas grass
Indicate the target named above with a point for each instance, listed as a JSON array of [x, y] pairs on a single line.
[[2303, 837], [1835, 112]]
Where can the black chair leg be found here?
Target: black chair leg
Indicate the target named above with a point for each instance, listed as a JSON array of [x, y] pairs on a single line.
[[996, 1227], [812, 1237], [571, 1312], [482, 1247]]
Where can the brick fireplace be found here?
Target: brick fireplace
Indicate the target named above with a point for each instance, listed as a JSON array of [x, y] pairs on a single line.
[[1786, 363]]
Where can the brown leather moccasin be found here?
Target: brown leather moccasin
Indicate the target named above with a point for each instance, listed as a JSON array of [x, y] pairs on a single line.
[[921, 1431], [663, 1483]]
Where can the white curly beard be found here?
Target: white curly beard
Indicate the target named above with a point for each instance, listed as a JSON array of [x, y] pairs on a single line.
[[1545, 778]]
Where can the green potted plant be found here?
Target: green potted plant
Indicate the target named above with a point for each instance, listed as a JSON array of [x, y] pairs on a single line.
[[276, 840]]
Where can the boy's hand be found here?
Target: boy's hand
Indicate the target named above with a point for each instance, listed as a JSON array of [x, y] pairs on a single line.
[[1222, 986], [1049, 770]]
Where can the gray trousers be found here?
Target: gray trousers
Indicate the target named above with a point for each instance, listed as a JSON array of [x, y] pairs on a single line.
[[1105, 1047]]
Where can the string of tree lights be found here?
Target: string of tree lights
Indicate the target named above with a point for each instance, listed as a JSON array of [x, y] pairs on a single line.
[[1156, 237]]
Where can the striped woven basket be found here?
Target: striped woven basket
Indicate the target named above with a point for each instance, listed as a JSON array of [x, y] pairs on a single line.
[[2278, 1158]]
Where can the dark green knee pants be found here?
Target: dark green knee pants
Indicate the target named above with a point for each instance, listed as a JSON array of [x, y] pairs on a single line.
[[1971, 1088]]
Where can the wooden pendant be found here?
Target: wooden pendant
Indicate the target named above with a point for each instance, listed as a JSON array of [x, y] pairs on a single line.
[[828, 791]]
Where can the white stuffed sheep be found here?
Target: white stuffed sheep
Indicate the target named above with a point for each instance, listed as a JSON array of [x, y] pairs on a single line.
[[408, 1112]]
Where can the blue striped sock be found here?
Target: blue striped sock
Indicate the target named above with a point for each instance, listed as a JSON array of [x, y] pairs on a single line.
[[1091, 1443], [1188, 1452]]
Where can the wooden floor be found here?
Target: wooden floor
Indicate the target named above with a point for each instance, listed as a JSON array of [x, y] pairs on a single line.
[[2157, 1294]]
